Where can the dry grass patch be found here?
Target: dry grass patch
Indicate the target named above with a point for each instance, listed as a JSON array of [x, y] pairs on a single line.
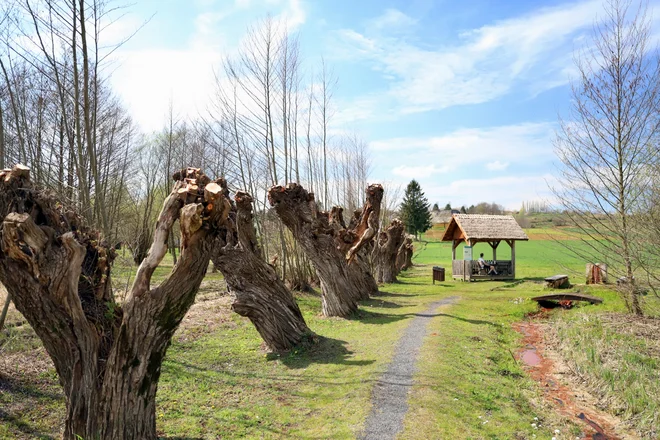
[[618, 357]]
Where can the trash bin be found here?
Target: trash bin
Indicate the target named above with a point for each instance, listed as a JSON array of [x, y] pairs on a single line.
[[438, 274]]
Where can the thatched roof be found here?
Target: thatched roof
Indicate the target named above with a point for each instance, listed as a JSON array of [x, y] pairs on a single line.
[[477, 227]]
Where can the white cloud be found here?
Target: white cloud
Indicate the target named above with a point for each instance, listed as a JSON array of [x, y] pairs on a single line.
[[497, 165], [509, 191], [448, 166], [531, 51], [391, 19], [516, 143], [418, 172], [148, 79]]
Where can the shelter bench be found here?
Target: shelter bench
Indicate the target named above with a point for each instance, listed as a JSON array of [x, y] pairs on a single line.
[[557, 281]]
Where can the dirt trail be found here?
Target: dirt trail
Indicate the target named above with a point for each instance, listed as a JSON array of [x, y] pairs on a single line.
[[569, 398], [390, 396]]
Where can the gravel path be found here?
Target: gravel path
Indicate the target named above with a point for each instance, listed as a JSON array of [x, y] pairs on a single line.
[[390, 396]]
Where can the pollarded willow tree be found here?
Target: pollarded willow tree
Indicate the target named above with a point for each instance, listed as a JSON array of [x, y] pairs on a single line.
[[108, 356], [404, 255], [387, 249], [608, 143], [330, 246], [259, 293], [355, 239], [298, 211]]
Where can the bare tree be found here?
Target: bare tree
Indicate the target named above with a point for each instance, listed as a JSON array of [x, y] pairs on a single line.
[[108, 357], [259, 293], [389, 241], [609, 139], [58, 113], [299, 212]]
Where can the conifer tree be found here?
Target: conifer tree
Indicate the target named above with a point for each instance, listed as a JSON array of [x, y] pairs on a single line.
[[415, 210]]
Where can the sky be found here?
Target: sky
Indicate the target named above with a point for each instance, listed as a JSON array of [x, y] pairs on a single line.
[[462, 96]]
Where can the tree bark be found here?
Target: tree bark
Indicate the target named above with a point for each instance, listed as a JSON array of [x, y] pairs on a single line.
[[5, 309], [107, 356], [298, 211], [259, 294], [388, 245], [404, 255]]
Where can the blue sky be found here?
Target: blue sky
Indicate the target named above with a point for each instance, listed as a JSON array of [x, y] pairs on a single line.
[[462, 96]]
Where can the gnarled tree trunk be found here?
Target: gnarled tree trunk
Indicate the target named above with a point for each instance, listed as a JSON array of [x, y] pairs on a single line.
[[108, 356], [364, 226], [259, 294], [357, 270], [388, 245], [355, 238], [298, 211], [404, 255]]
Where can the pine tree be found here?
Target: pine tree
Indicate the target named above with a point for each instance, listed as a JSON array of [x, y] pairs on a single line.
[[415, 210]]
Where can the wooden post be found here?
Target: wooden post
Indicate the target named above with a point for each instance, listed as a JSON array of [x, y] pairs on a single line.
[[467, 264], [512, 243], [494, 245], [454, 245]]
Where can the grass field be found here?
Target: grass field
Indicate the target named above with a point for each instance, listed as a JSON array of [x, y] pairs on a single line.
[[217, 382]]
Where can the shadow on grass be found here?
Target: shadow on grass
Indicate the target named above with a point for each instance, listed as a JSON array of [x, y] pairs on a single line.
[[386, 318], [179, 438], [22, 426], [367, 317], [390, 294], [533, 279], [512, 284], [469, 321], [20, 388], [376, 302], [324, 351]]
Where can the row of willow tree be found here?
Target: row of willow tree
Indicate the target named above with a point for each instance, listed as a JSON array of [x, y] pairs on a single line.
[[107, 354], [269, 121], [91, 182]]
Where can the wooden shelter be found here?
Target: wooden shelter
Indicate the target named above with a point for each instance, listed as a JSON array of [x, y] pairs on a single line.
[[491, 229]]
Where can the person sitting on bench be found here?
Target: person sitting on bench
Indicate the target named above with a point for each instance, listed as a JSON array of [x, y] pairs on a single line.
[[483, 265]]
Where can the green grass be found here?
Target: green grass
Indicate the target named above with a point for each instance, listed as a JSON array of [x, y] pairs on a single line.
[[469, 384], [534, 259], [621, 368], [220, 382]]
